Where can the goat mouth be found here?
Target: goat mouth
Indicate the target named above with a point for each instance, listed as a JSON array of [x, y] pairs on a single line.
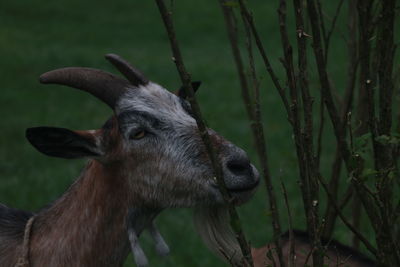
[[243, 189]]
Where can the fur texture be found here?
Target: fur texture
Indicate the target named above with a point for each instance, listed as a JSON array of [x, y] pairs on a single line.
[[12, 225]]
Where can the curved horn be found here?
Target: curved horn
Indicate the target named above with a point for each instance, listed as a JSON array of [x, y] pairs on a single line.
[[103, 85], [133, 75]]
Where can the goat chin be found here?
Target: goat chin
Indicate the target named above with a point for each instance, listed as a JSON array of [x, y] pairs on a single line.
[[212, 224]]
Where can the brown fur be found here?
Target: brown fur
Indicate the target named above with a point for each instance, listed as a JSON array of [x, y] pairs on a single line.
[[10, 251], [92, 214]]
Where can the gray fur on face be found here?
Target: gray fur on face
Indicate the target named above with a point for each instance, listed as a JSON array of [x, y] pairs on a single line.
[[177, 169], [173, 165]]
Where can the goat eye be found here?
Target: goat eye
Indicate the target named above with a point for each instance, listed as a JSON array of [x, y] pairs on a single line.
[[138, 135]]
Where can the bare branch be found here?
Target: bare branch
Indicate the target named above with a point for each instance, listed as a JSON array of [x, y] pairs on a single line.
[[254, 114], [320, 130], [186, 80], [292, 249], [307, 135], [332, 111], [331, 30], [267, 64], [257, 125], [367, 244]]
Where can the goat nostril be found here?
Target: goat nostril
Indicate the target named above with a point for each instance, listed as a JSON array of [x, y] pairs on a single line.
[[239, 167]]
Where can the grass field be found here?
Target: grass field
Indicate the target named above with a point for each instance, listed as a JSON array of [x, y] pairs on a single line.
[[40, 35]]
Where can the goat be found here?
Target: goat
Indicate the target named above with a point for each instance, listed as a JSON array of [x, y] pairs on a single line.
[[335, 254], [147, 157]]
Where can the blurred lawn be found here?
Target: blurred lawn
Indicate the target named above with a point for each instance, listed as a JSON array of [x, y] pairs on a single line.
[[40, 35]]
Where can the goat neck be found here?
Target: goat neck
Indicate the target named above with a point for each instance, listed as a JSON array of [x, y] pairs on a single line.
[[87, 226]]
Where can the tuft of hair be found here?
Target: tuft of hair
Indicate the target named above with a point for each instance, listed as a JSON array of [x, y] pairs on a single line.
[[212, 224], [12, 222], [12, 225]]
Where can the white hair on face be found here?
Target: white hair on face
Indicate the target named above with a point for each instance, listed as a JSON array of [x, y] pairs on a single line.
[[175, 159], [157, 100], [212, 224], [182, 142]]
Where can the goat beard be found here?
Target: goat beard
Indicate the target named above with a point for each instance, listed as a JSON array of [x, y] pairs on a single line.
[[213, 225]]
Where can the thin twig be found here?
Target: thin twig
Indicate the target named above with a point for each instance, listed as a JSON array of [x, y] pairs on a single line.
[[320, 129], [257, 127], [330, 213], [346, 198], [367, 244], [254, 114], [322, 21], [264, 56], [331, 30], [292, 249], [335, 17], [384, 152], [332, 110], [396, 213], [186, 80], [294, 109], [307, 135], [324, 80], [357, 205], [312, 250]]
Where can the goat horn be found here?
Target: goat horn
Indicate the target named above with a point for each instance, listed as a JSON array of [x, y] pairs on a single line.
[[103, 85], [133, 75]]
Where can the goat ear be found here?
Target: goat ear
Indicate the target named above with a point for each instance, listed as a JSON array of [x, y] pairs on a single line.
[[63, 143], [182, 93]]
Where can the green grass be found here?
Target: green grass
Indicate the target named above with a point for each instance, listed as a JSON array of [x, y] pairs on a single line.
[[40, 35]]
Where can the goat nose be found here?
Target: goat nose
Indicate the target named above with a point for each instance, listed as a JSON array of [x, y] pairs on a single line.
[[239, 166], [239, 174]]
